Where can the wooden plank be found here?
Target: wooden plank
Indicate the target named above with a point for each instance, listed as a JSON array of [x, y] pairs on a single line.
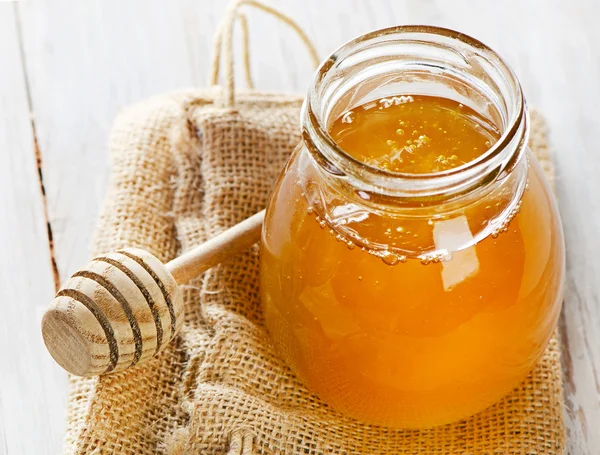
[[84, 66], [3, 435], [32, 387]]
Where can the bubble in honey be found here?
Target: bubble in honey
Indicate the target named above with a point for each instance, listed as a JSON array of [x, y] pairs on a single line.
[[391, 258], [310, 210], [360, 278], [503, 226], [395, 100], [348, 117], [400, 132], [385, 102]]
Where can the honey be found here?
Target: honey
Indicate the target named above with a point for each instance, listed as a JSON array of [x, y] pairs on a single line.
[[411, 312], [413, 134], [414, 342]]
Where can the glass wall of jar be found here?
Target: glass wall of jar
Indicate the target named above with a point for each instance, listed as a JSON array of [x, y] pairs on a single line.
[[405, 299]]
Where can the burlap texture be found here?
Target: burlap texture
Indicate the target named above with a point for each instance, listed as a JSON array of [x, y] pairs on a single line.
[[184, 169]]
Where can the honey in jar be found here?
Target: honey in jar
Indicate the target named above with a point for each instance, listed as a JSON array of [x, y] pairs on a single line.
[[412, 253]]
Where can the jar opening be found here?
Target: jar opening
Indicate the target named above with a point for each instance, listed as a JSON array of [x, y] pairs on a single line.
[[422, 60]]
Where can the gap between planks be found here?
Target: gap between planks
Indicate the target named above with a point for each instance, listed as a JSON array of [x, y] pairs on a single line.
[[36, 151]]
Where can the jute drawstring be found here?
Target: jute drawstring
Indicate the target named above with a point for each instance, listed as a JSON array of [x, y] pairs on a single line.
[[223, 45], [217, 45]]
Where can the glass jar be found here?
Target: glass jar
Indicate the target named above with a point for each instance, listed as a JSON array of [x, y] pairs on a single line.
[[412, 300]]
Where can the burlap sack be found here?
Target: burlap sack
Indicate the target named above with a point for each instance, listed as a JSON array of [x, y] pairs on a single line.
[[184, 169]]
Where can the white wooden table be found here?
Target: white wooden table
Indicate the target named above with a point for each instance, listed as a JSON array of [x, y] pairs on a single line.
[[67, 67]]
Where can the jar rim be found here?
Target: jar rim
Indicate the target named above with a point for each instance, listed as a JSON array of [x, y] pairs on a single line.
[[517, 121]]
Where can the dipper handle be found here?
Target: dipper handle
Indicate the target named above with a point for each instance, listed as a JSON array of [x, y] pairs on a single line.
[[214, 251], [124, 307]]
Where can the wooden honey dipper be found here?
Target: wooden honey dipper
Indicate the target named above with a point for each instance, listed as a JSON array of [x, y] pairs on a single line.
[[124, 307]]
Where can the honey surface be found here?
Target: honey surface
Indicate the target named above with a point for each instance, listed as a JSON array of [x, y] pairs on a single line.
[[413, 134], [419, 343]]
